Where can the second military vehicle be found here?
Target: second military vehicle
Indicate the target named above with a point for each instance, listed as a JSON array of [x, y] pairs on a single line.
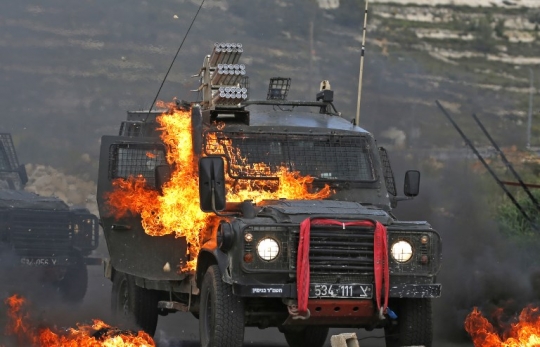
[[297, 264], [41, 234]]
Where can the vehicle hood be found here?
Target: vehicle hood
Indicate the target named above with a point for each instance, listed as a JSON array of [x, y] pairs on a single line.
[[294, 211], [26, 200]]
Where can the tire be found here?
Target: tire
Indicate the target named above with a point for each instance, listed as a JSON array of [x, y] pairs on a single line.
[[73, 286], [311, 336], [134, 307], [414, 324], [221, 315]]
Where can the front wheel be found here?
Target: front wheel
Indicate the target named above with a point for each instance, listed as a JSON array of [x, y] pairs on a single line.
[[311, 336], [75, 282], [413, 327], [221, 315], [133, 306]]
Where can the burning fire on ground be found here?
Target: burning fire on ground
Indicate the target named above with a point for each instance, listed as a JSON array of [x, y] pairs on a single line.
[[177, 210], [522, 331], [98, 334]]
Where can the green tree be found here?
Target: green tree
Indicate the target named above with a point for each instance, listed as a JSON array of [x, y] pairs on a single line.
[[483, 34], [499, 28]]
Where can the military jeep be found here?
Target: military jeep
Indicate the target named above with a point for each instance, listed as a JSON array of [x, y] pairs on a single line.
[[41, 235], [303, 266]]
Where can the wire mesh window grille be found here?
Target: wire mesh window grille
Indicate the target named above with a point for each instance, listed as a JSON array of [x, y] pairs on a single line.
[[278, 88], [336, 157], [8, 157], [387, 172], [129, 160], [4, 162]]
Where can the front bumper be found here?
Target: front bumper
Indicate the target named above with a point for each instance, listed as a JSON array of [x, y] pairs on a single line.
[[417, 291]]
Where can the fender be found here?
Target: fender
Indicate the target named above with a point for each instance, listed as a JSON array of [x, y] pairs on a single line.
[[212, 256]]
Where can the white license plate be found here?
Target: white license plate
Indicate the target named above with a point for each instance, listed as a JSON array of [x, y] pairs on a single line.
[[39, 261], [358, 291]]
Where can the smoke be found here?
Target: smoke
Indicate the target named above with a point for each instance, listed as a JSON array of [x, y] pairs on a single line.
[[395, 135], [45, 303], [480, 266], [48, 181]]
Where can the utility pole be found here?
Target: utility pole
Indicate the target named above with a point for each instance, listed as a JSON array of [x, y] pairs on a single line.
[[529, 121], [357, 119], [311, 50]]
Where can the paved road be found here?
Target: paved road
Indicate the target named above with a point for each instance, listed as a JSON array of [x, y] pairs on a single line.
[[181, 329], [174, 330]]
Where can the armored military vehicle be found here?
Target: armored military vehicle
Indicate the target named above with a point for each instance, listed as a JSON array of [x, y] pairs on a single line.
[[300, 265], [43, 235]]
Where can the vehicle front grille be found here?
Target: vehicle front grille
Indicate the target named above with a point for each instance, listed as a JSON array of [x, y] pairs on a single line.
[[85, 228], [39, 231], [338, 255]]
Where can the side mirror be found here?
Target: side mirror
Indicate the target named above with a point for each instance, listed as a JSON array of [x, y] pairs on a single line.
[[163, 175], [412, 183], [22, 174], [212, 184]]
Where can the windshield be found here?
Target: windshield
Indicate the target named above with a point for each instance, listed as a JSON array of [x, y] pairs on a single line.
[[325, 157]]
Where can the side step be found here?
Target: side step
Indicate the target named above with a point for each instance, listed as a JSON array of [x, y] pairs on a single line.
[[173, 306]]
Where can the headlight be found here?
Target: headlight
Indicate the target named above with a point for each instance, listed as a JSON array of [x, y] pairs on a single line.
[[401, 251], [268, 249]]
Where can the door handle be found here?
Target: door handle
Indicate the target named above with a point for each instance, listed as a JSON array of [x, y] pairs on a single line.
[[120, 227]]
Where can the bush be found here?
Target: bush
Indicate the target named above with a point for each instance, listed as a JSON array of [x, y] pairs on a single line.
[[499, 28], [534, 16], [512, 221], [483, 33]]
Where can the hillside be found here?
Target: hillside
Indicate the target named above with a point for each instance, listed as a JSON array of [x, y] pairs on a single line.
[[70, 73], [470, 3]]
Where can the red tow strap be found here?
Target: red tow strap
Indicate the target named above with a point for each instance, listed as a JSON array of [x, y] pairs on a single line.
[[380, 261]]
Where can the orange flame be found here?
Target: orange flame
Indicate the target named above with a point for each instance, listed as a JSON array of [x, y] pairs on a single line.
[[523, 332], [98, 334], [177, 210]]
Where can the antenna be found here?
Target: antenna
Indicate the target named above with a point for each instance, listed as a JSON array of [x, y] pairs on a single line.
[[357, 120], [172, 63]]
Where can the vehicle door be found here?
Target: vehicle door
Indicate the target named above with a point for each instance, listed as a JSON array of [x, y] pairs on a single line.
[[131, 250]]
